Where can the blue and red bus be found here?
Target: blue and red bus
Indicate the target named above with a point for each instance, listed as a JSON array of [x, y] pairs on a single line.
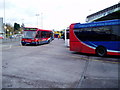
[[101, 38], [36, 36]]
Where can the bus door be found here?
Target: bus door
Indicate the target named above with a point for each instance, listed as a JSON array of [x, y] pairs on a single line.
[[43, 37], [38, 37]]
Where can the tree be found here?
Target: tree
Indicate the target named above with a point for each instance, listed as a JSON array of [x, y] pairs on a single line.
[[9, 29], [16, 26]]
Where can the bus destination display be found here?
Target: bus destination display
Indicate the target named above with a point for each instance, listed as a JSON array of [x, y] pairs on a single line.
[[29, 28]]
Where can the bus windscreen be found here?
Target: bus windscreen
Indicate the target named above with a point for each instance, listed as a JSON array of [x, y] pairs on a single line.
[[29, 34]]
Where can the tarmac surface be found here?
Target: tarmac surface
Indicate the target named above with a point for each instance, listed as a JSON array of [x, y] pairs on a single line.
[[54, 66]]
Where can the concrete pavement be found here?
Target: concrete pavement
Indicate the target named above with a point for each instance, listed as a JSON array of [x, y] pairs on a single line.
[[54, 66]]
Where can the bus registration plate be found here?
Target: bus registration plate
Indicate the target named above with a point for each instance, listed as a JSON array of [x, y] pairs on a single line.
[[27, 41]]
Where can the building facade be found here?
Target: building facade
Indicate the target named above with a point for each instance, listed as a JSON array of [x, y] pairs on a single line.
[[1, 27]]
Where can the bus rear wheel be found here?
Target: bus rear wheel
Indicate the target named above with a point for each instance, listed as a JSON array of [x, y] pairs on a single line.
[[101, 51], [48, 42]]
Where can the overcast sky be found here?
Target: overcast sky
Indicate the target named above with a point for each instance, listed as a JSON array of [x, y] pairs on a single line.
[[51, 14]]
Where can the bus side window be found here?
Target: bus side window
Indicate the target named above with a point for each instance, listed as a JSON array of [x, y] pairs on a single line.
[[47, 34], [116, 32], [43, 34]]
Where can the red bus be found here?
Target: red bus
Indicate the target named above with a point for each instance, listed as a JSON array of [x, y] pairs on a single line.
[[36, 36], [101, 38]]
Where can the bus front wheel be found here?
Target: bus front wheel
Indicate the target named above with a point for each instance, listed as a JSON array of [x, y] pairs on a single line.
[[101, 51], [37, 43], [23, 44]]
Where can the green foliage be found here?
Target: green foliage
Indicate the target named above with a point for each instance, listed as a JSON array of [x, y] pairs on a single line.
[[16, 26], [10, 27]]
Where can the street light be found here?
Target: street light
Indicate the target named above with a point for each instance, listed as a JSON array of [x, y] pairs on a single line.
[[37, 19], [4, 11], [42, 20]]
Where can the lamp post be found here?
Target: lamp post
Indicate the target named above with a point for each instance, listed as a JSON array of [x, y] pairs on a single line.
[[42, 20], [37, 15], [4, 11]]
